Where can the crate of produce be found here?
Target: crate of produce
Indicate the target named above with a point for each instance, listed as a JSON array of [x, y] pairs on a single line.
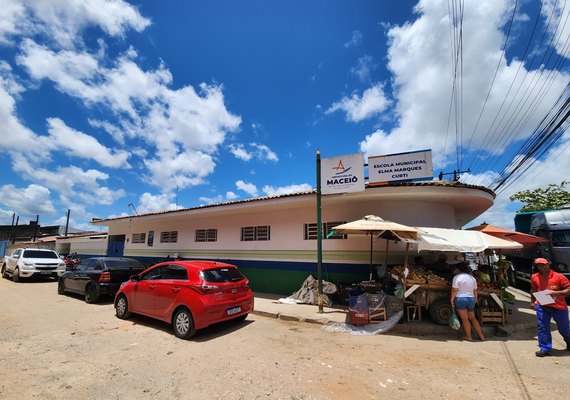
[[437, 282]]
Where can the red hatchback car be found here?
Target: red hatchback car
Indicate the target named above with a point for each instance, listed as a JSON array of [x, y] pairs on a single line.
[[190, 295]]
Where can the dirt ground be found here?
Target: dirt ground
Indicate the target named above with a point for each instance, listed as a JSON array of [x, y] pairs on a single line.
[[59, 347]]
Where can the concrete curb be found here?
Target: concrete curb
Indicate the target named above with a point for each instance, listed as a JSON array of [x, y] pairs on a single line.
[[407, 328]]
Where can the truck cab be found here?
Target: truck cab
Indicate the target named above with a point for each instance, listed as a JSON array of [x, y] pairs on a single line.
[[554, 225]]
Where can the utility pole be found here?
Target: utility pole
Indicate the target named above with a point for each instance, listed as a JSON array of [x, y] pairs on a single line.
[[455, 174], [67, 222], [319, 237]]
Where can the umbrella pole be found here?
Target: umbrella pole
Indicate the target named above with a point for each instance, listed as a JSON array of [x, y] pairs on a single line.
[[406, 255], [371, 245], [387, 244]]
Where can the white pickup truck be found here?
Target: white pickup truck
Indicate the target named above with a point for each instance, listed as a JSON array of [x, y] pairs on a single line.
[[25, 263]]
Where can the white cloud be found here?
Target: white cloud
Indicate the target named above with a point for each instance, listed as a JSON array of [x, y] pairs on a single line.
[[264, 153], [239, 152], [169, 170], [559, 31], [219, 198], [15, 136], [363, 68], [372, 102], [258, 151], [355, 40], [81, 145], [277, 191], [73, 184], [419, 59], [183, 126], [249, 188], [551, 170], [29, 201], [63, 21], [149, 203]]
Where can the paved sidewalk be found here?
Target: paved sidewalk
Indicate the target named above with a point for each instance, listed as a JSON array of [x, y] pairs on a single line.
[[521, 319]]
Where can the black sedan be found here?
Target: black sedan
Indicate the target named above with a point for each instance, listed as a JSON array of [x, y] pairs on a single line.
[[98, 276]]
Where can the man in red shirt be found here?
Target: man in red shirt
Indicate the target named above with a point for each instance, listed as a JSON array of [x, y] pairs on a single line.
[[557, 286]]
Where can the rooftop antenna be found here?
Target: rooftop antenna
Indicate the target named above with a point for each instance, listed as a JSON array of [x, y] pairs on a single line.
[[134, 209]]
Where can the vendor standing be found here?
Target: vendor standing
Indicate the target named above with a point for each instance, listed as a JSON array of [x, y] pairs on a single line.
[[557, 286], [441, 266]]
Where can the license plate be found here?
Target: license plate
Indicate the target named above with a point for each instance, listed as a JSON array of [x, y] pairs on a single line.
[[45, 272], [234, 310]]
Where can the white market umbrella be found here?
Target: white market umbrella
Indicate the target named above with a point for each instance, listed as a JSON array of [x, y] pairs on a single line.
[[375, 226]]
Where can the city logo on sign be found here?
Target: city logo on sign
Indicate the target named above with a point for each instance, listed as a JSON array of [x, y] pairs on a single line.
[[340, 168]]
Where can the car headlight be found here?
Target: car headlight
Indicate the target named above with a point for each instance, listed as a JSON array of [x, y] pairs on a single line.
[[60, 265], [28, 263]]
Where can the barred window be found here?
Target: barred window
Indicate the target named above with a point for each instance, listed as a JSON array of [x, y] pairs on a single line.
[[138, 238], [310, 231], [169, 237], [206, 235], [251, 233]]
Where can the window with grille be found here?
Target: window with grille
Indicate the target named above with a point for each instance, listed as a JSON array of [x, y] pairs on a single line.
[[139, 238], [311, 231], [169, 237], [206, 235], [251, 233]]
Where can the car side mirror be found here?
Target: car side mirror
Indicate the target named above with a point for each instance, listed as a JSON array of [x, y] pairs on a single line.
[[135, 278]]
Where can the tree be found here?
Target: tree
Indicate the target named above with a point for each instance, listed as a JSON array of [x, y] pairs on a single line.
[[549, 198]]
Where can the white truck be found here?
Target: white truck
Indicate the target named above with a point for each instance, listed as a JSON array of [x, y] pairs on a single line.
[[25, 263]]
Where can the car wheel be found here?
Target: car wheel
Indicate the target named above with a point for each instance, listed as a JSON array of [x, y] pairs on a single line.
[[4, 274], [16, 275], [122, 308], [440, 311], [60, 286], [183, 324], [91, 295]]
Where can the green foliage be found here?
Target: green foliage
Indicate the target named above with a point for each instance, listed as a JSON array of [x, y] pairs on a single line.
[[551, 197]]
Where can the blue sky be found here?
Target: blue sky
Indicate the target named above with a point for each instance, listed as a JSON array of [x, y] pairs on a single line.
[[181, 103]]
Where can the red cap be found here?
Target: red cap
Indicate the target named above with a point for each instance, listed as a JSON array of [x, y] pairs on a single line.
[[541, 261]]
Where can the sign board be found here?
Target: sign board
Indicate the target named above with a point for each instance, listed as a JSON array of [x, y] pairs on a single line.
[[342, 174], [411, 166]]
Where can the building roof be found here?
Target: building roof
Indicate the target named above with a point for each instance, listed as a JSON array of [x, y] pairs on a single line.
[[443, 184]]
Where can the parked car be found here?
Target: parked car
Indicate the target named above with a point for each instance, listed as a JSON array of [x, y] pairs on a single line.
[[190, 295], [25, 263], [98, 276]]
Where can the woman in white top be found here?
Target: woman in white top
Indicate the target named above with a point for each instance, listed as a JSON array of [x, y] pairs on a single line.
[[464, 298]]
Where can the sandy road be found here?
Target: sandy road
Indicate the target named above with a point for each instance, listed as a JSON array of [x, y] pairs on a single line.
[[59, 347]]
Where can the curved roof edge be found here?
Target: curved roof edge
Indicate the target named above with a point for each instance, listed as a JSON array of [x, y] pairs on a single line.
[[452, 184]]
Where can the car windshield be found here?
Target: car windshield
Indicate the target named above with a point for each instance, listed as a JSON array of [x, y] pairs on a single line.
[[561, 238], [39, 254], [221, 275], [123, 264]]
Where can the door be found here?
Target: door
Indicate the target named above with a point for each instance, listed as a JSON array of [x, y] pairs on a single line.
[[168, 288], [90, 273], [116, 246], [72, 279], [3, 247], [144, 293]]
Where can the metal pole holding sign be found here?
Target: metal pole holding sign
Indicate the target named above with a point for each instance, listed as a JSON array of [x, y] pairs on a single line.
[[319, 237]]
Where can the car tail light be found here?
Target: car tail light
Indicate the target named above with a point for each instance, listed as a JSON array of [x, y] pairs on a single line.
[[206, 289], [105, 277]]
